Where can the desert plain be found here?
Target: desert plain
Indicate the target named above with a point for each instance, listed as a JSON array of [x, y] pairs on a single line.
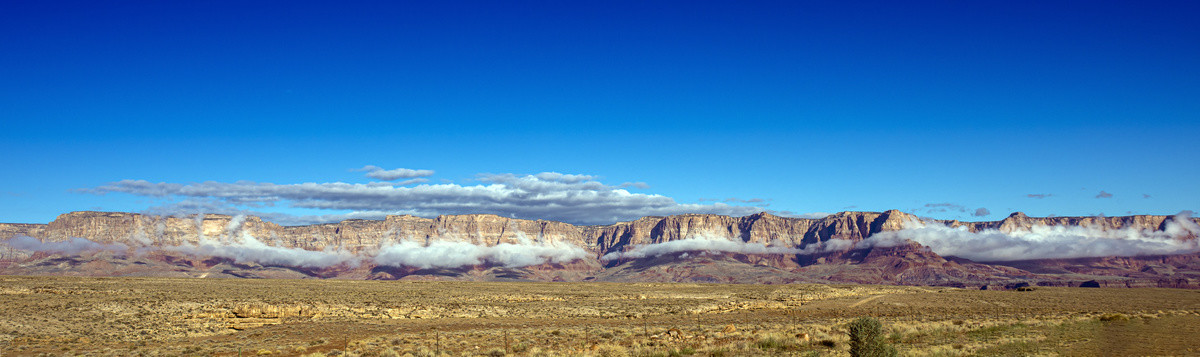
[[89, 316]]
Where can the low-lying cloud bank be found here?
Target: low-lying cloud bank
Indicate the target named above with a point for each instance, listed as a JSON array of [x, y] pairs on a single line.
[[72, 246], [991, 245], [1047, 242], [1179, 236], [250, 250], [451, 254], [242, 247], [701, 243]]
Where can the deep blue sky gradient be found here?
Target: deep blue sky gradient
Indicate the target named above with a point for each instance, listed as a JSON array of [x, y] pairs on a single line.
[[818, 107]]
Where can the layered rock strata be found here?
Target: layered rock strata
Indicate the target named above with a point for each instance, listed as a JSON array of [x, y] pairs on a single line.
[[483, 229]]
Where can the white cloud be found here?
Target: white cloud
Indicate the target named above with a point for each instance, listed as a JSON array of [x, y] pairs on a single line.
[[250, 249], [578, 199], [451, 254], [242, 247], [71, 246], [1047, 242], [380, 173], [701, 243]]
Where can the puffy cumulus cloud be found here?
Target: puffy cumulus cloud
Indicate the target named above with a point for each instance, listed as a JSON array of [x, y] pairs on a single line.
[[980, 212], [380, 173], [71, 246], [578, 199], [452, 254], [1047, 242], [1103, 194]]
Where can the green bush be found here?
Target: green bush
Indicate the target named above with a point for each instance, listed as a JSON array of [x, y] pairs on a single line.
[[866, 339]]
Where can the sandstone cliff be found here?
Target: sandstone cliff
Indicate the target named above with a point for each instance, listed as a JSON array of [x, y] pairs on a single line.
[[358, 235], [909, 263], [1019, 221]]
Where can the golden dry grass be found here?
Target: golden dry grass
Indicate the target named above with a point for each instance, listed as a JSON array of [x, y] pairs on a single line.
[[61, 316]]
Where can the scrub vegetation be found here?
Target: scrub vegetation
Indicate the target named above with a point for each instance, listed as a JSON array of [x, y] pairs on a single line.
[[66, 316]]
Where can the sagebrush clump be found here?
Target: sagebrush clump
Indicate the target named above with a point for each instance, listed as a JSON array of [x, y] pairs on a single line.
[[866, 339]]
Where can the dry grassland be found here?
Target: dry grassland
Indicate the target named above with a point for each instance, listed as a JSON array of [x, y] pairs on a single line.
[[59, 316]]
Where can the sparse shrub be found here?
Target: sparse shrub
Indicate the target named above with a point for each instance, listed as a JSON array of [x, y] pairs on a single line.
[[611, 350], [1026, 288], [1114, 317], [827, 343], [866, 339], [423, 352], [774, 342], [495, 352]]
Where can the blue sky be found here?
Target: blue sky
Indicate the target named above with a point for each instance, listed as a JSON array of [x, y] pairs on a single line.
[[938, 108]]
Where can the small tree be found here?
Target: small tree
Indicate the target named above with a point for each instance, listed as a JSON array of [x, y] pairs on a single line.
[[866, 339]]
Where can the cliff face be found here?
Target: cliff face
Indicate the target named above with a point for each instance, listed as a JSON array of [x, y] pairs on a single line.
[[1019, 221], [353, 235], [909, 263], [365, 235]]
